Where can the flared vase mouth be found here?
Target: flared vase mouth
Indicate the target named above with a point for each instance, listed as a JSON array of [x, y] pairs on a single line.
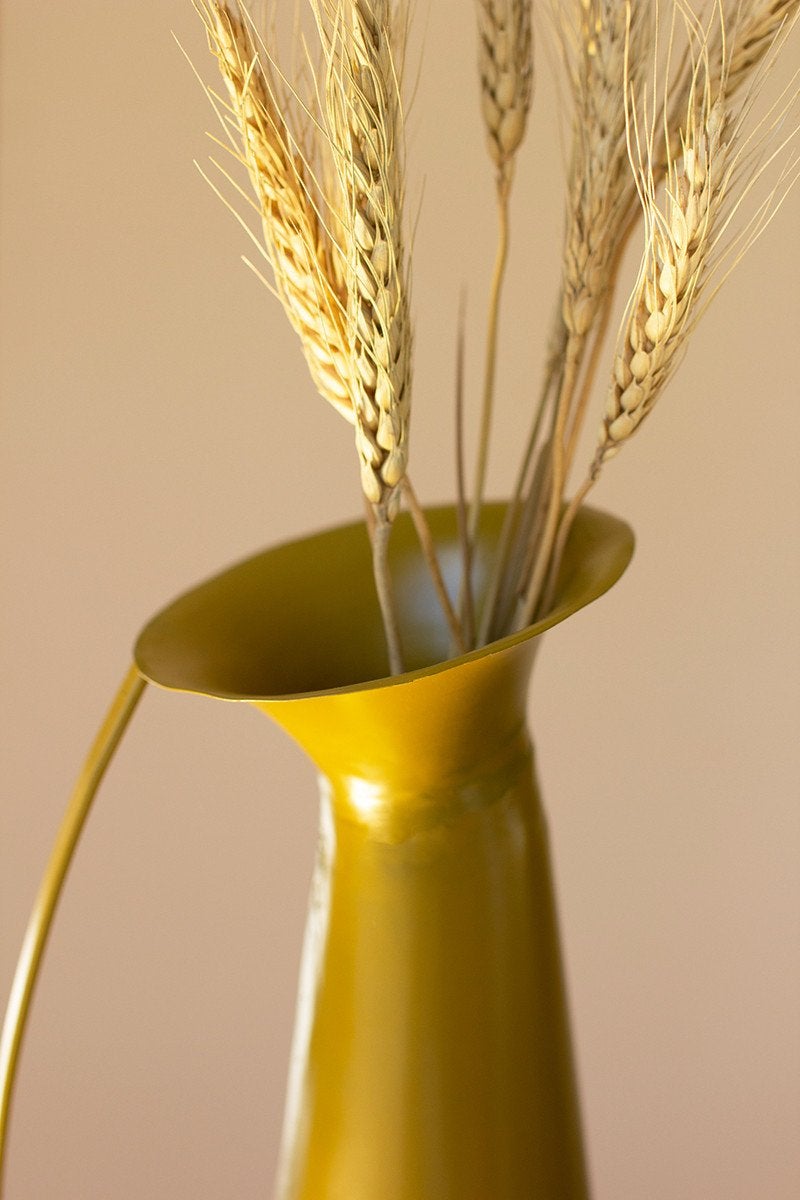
[[302, 620]]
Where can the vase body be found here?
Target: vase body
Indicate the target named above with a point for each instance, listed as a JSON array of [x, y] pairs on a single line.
[[431, 1057], [432, 1054]]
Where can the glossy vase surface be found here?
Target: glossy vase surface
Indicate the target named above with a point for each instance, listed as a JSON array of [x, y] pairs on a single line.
[[431, 1056]]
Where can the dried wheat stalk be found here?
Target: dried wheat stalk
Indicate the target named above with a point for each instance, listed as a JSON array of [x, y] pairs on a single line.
[[686, 223], [736, 43], [604, 202], [713, 170], [679, 237], [505, 62], [610, 36], [302, 252], [335, 247], [366, 130]]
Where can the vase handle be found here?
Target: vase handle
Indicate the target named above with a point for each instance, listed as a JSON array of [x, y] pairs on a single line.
[[41, 918]]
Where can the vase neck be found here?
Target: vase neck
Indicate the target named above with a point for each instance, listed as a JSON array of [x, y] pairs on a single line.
[[401, 805], [427, 737]]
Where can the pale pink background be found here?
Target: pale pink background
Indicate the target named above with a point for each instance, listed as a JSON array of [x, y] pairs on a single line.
[[158, 423]]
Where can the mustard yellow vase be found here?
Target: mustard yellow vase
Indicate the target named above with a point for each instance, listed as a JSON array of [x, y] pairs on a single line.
[[431, 1057]]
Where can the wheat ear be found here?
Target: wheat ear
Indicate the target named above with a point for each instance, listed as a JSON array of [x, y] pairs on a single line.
[[505, 63], [612, 42], [680, 232], [600, 184], [302, 252]]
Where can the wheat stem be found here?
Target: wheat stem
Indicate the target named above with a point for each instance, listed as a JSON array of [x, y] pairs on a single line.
[[513, 514], [381, 533], [432, 561], [487, 407], [599, 332], [565, 525], [574, 354], [466, 601], [521, 559]]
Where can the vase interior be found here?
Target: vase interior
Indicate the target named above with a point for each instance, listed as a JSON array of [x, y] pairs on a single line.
[[303, 618]]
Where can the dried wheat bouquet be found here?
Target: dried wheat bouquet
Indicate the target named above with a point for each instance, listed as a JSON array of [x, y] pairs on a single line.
[[665, 148]]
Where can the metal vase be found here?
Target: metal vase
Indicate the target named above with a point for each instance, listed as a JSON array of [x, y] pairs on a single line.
[[431, 1056]]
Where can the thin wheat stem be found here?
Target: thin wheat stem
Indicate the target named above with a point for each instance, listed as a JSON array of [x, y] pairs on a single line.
[[564, 527], [428, 548], [466, 602], [534, 513], [523, 546], [380, 535], [589, 374], [487, 407], [600, 330], [574, 355], [513, 512]]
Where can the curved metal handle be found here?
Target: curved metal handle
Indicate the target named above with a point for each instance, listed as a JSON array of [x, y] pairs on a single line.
[[41, 918]]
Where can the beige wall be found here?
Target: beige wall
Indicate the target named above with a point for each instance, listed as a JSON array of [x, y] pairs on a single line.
[[157, 422]]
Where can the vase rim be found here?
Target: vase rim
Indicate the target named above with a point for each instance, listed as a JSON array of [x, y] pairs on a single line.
[[169, 651]]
